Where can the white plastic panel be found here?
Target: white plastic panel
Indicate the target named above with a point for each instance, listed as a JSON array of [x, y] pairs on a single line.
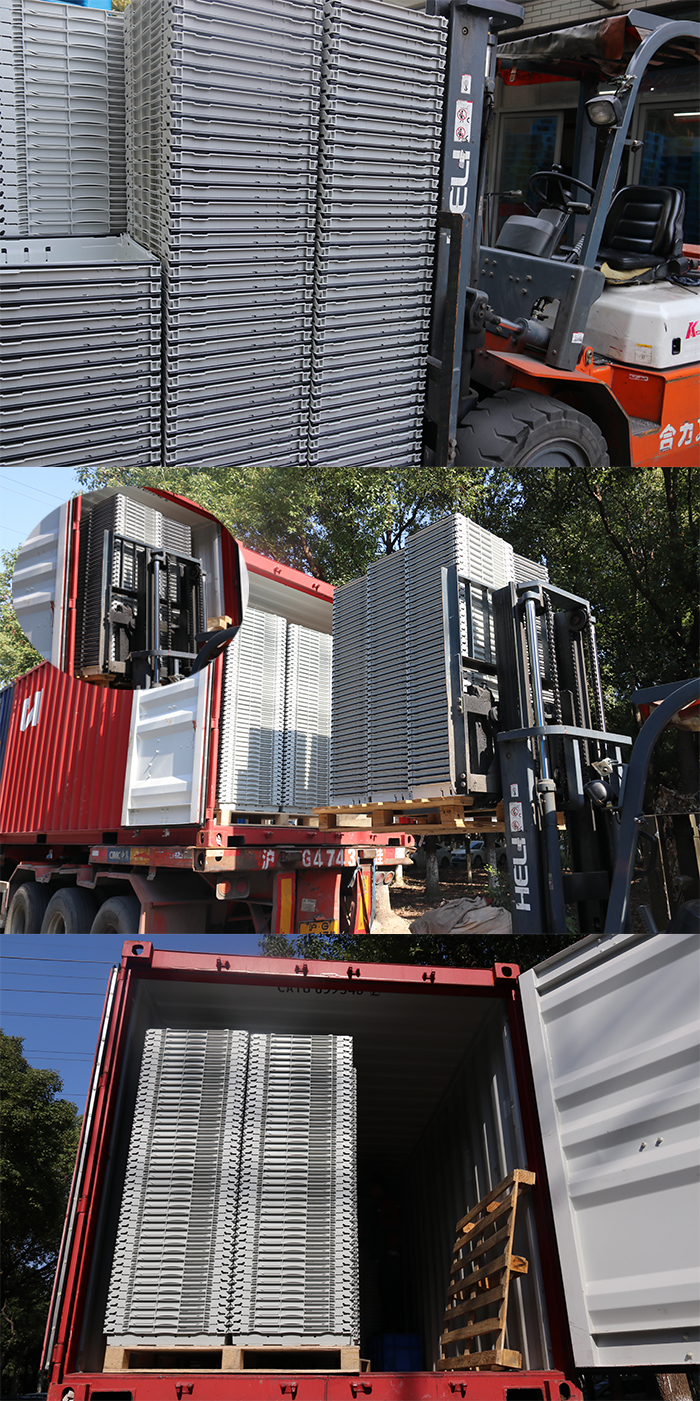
[[38, 584], [167, 751], [613, 1027]]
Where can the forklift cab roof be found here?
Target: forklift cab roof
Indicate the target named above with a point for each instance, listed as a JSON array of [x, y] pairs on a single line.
[[606, 45]]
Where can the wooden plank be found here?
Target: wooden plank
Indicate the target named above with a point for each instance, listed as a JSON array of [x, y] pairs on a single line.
[[519, 1175], [496, 1358], [481, 1249], [475, 1330], [479, 1301], [232, 1359], [116, 1359], [515, 1263]]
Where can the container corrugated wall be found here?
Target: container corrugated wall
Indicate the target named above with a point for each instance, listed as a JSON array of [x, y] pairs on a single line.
[[66, 755], [6, 698]]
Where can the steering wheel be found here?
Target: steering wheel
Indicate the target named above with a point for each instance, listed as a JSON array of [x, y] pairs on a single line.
[[562, 181]]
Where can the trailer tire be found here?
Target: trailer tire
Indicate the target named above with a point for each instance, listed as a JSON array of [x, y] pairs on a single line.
[[26, 910], [519, 428], [69, 911], [119, 915]]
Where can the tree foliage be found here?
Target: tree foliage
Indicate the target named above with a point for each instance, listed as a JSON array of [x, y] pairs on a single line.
[[39, 1142], [625, 538], [16, 652], [446, 951]]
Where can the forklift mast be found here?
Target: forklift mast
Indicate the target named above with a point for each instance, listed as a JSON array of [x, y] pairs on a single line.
[[572, 793]]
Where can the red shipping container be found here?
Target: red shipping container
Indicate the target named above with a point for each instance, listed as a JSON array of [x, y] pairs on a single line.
[[65, 758]]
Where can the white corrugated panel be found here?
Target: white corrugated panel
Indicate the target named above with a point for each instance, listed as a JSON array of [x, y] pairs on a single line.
[[613, 1030], [307, 720], [252, 716], [38, 585], [167, 753]]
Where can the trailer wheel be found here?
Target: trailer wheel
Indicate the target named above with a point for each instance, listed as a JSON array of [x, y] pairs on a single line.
[[118, 915], [518, 428], [26, 910], [69, 911]]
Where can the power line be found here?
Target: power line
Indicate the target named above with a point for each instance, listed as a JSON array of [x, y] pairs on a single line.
[[63, 1016], [40, 489], [68, 977], [55, 992], [77, 962]]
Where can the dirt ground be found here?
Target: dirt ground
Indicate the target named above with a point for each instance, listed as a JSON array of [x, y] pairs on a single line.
[[409, 899]]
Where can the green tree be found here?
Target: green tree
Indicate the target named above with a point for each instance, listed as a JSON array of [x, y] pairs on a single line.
[[330, 523], [16, 652], [450, 951], [39, 1141], [627, 540]]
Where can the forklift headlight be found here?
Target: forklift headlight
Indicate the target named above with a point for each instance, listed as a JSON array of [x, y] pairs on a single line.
[[604, 111]]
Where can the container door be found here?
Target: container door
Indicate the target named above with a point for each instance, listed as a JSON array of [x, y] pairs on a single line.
[[168, 746], [612, 1026], [38, 584]]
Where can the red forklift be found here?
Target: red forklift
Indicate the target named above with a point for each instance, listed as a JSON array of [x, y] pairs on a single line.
[[546, 353]]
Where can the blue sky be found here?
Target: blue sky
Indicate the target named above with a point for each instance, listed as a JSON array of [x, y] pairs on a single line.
[[53, 988], [27, 494]]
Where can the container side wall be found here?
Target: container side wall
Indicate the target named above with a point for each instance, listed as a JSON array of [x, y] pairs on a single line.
[[612, 1025], [66, 755], [472, 1142], [6, 699]]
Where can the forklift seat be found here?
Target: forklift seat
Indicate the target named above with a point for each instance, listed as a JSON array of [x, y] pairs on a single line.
[[644, 228]]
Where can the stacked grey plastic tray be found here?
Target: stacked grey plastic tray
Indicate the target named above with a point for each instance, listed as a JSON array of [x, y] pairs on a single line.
[[62, 119], [222, 156], [171, 1268], [275, 719], [307, 719], [80, 332], [391, 720], [238, 1214], [295, 1276], [378, 190], [252, 715]]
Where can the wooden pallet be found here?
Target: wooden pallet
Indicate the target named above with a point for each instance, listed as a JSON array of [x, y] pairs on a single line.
[[482, 1266], [233, 1359], [229, 817], [417, 816]]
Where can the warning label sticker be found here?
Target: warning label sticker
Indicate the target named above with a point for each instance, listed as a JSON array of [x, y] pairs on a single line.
[[466, 85], [516, 817], [463, 121]]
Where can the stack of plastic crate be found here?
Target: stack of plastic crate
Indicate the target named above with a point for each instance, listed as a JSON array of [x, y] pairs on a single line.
[[80, 329], [252, 715], [349, 729], [63, 118], [397, 715], [222, 156], [9, 184], [171, 1269], [378, 189], [307, 720], [295, 1277]]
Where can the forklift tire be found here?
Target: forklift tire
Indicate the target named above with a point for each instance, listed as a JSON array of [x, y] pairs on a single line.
[[519, 428], [26, 910]]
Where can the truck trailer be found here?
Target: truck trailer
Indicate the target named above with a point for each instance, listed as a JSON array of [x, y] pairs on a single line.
[[579, 1075]]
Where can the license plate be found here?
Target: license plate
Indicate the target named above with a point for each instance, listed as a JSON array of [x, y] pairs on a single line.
[[319, 926]]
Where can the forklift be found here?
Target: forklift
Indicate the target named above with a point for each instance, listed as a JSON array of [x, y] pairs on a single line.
[[545, 354], [589, 849]]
